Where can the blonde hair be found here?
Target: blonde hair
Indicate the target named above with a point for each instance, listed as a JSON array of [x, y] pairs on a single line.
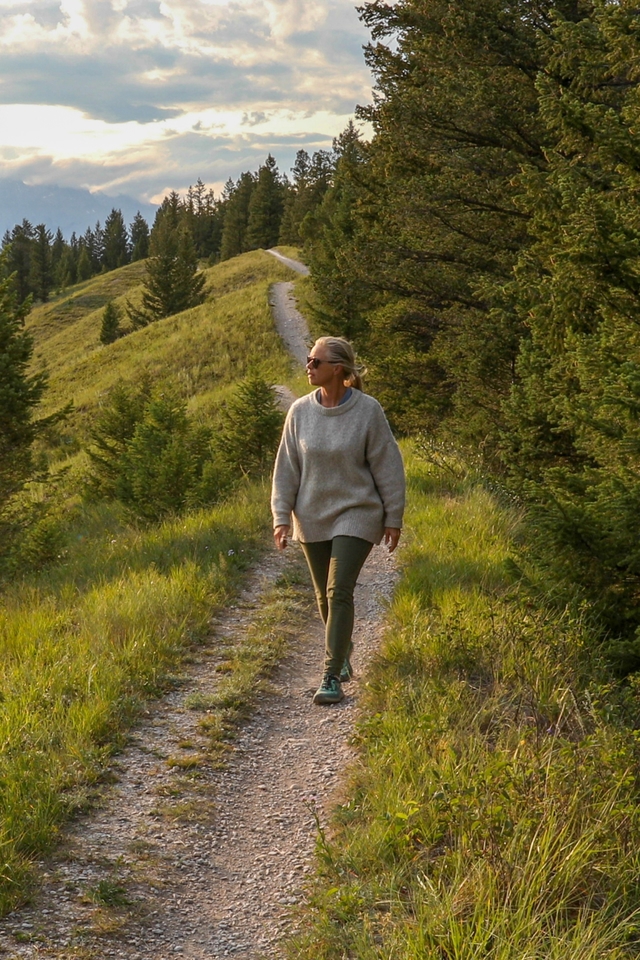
[[341, 351]]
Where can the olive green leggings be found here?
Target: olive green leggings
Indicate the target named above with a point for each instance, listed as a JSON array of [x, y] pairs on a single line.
[[334, 566]]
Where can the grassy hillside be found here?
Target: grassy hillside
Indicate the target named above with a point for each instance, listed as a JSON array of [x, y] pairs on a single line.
[[84, 639], [202, 351], [494, 811]]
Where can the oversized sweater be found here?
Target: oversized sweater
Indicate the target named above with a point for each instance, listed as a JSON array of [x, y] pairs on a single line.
[[338, 471]]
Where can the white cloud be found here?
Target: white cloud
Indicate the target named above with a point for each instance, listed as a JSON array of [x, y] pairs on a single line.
[[143, 94]]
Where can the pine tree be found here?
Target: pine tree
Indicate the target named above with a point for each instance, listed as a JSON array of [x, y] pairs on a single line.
[[236, 199], [110, 327], [41, 272], [91, 245], [84, 270], [204, 216], [430, 214], [18, 245], [57, 249], [172, 283], [67, 269], [572, 436], [265, 208], [169, 213], [97, 249], [139, 238], [312, 178], [115, 241], [250, 428], [20, 393], [329, 232]]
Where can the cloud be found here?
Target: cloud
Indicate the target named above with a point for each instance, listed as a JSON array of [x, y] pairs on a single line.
[[143, 94]]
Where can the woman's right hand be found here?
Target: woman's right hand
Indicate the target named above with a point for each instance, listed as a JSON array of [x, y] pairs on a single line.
[[281, 536]]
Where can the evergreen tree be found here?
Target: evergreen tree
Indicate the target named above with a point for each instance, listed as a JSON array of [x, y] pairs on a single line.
[[572, 437], [20, 392], [236, 199], [139, 238], [110, 327], [168, 213], [431, 216], [265, 208], [148, 454], [41, 278], [18, 245], [204, 216], [97, 250], [329, 232], [115, 241], [172, 282], [57, 249], [66, 273], [311, 179], [84, 270], [92, 246], [250, 428]]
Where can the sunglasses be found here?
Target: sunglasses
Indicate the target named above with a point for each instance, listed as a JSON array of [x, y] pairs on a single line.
[[316, 361]]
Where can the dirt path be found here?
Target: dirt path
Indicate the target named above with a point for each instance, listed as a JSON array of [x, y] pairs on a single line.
[[290, 323], [196, 861], [294, 264]]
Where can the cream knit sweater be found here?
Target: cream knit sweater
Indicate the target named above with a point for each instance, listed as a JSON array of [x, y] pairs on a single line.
[[338, 471]]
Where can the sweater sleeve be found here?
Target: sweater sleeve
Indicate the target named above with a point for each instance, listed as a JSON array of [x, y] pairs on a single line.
[[286, 476], [385, 462]]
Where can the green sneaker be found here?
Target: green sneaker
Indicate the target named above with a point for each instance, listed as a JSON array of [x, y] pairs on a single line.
[[346, 673], [329, 690]]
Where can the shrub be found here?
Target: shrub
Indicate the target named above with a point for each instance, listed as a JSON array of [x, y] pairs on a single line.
[[110, 329], [250, 430]]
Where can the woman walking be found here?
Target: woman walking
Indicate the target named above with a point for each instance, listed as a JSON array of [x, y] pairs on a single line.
[[339, 476]]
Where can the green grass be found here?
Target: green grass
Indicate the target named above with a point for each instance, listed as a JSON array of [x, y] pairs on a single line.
[[275, 622], [86, 639], [201, 352], [83, 643], [494, 812]]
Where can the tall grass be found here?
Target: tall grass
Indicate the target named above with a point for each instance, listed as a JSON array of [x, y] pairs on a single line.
[[84, 642], [494, 811], [84, 639]]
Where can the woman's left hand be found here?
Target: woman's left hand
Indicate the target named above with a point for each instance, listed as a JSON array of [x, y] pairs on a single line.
[[391, 537]]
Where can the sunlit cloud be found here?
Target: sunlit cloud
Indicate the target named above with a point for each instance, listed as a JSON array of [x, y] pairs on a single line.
[[140, 94]]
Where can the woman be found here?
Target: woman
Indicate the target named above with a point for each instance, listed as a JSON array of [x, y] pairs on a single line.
[[339, 474]]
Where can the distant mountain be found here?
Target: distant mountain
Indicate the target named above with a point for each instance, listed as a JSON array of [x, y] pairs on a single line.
[[63, 207]]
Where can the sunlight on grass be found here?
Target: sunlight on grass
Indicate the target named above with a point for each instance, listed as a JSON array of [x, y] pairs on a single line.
[[202, 352], [91, 630], [86, 641], [494, 813]]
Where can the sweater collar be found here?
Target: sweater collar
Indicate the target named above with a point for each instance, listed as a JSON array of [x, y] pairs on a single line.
[[338, 411]]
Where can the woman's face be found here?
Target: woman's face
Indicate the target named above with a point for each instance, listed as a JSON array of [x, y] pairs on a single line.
[[326, 372]]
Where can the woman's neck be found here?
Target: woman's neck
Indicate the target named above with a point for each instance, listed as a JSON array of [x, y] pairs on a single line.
[[331, 395]]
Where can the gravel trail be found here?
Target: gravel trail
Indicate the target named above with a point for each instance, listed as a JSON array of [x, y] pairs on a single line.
[[294, 264], [290, 323], [208, 862]]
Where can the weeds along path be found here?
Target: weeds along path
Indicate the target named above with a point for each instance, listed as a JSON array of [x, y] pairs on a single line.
[[197, 847]]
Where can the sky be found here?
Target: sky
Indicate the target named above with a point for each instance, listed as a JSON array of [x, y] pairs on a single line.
[[143, 96]]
